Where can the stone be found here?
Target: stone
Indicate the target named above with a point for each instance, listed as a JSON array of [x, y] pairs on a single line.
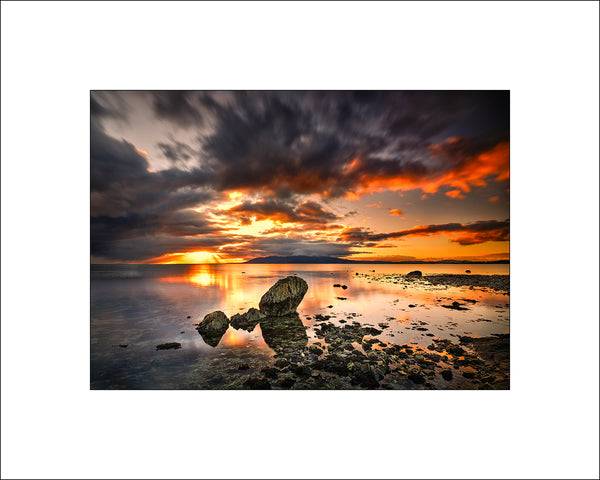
[[447, 375], [246, 321], [212, 327], [414, 274], [284, 297], [169, 346]]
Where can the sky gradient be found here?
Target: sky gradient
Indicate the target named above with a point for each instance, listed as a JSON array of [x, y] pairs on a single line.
[[216, 177]]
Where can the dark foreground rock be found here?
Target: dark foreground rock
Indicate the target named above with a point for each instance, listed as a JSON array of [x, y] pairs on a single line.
[[168, 346], [212, 327], [246, 321], [414, 274], [284, 297]]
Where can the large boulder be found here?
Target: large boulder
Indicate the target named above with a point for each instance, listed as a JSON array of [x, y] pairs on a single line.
[[212, 327], [246, 321], [284, 297]]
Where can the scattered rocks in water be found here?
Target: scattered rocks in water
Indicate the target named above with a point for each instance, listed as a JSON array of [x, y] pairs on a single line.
[[499, 283], [247, 321], [455, 306], [414, 274], [383, 325], [168, 346], [212, 327], [284, 297], [469, 300]]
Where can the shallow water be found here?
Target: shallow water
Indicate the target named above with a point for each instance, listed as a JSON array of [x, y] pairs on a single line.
[[142, 306]]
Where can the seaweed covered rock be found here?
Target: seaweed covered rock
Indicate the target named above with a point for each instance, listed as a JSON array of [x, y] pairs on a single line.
[[284, 297], [212, 327], [247, 321]]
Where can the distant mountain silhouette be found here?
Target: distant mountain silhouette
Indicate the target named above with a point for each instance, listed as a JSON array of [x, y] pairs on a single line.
[[310, 259]]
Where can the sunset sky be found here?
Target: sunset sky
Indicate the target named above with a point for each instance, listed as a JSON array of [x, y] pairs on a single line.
[[216, 177]]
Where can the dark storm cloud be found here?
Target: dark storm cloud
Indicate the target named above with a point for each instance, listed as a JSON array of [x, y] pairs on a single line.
[[281, 145], [464, 234], [131, 205], [177, 152], [284, 246], [283, 211], [305, 141], [178, 106]]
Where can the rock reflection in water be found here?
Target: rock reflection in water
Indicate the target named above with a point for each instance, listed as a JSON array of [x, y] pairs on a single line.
[[284, 334], [213, 337]]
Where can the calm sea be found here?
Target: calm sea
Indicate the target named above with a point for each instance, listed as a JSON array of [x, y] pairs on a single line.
[[142, 306]]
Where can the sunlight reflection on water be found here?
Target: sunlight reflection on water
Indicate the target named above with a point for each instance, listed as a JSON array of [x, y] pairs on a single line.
[[143, 306]]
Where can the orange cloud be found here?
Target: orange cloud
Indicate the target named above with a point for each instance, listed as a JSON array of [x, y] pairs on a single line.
[[494, 198], [455, 194], [395, 211]]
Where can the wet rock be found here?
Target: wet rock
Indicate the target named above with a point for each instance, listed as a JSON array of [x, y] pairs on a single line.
[[329, 306], [447, 375], [467, 271], [284, 297], [366, 376], [282, 362], [255, 383], [411, 306], [270, 372], [212, 327], [315, 349], [337, 285], [243, 366], [123, 345], [301, 370], [168, 346], [344, 287], [247, 321], [189, 316], [341, 298], [414, 274], [469, 372], [286, 382]]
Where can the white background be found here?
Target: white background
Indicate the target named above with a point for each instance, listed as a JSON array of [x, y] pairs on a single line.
[[53, 426]]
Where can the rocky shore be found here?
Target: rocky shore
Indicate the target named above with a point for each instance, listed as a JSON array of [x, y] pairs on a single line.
[[499, 283], [350, 355]]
